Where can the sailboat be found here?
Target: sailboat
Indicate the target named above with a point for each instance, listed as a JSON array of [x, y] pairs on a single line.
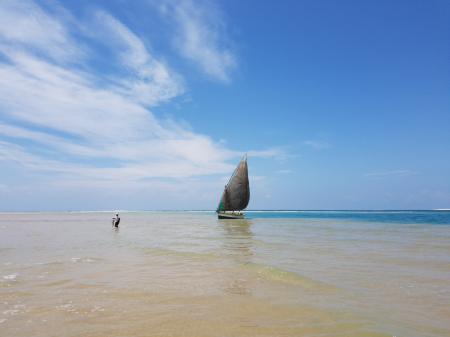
[[236, 194]]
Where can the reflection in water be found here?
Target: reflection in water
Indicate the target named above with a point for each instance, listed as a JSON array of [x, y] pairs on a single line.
[[238, 244], [238, 239]]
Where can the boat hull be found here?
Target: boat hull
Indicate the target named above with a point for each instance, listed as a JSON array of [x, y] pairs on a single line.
[[230, 216]]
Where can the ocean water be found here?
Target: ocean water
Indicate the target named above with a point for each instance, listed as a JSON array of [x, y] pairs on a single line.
[[310, 273]]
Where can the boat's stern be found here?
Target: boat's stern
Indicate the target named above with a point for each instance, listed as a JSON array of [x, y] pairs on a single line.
[[224, 216]]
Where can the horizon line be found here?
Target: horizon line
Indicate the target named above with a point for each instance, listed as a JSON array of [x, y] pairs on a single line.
[[212, 210]]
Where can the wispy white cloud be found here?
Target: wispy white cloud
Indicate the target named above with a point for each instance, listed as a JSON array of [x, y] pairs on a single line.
[[278, 153], [201, 36], [24, 25], [286, 171], [151, 80], [386, 173], [85, 126], [317, 144], [72, 129]]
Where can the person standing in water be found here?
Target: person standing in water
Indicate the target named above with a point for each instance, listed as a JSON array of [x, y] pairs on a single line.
[[116, 220]]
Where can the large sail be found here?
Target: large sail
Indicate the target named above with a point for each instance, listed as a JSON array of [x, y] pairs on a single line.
[[236, 195]]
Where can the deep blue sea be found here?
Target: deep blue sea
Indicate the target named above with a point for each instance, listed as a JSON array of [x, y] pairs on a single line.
[[398, 216]]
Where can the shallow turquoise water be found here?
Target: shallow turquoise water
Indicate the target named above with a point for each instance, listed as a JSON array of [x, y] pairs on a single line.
[[306, 273], [402, 217]]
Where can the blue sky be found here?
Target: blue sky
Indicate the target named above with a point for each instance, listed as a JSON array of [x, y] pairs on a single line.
[[150, 104]]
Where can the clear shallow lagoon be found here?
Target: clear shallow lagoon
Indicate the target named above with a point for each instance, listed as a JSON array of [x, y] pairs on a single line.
[[310, 273]]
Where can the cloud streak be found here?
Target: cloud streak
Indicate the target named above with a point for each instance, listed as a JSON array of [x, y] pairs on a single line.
[[200, 36], [151, 81], [25, 25], [317, 144], [388, 173]]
